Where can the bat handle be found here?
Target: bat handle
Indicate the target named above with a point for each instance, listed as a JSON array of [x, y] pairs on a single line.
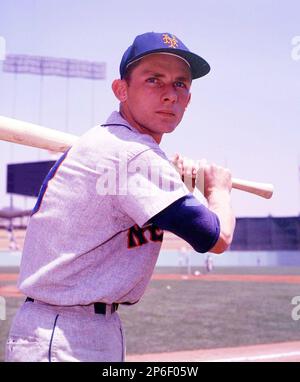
[[264, 190]]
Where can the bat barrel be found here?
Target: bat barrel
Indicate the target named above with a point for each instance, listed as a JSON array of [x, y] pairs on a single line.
[[29, 134], [264, 190]]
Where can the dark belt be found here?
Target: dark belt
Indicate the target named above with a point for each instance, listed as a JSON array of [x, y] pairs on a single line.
[[99, 307]]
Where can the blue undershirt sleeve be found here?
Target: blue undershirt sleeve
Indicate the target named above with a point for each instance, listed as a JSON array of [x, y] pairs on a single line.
[[190, 220]]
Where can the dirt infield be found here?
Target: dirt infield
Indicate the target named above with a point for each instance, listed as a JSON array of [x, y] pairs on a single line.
[[290, 279], [278, 352], [264, 278], [10, 290]]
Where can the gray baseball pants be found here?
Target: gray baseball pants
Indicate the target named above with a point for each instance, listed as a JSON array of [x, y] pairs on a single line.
[[46, 333]]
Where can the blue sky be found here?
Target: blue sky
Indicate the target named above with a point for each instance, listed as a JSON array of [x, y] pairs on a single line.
[[245, 114]]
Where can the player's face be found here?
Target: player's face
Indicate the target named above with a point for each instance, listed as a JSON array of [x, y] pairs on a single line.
[[158, 92]]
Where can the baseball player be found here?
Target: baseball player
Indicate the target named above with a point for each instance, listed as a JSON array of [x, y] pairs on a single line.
[[96, 230]]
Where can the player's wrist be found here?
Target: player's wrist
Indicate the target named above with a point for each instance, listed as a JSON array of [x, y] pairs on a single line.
[[218, 196]]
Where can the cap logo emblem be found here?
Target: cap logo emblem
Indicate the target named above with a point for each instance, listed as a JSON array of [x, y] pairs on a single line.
[[171, 41]]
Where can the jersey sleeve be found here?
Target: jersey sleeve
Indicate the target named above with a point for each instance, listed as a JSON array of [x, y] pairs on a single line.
[[192, 221], [151, 185]]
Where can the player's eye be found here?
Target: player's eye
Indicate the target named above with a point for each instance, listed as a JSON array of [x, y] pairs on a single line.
[[152, 80], [179, 84]]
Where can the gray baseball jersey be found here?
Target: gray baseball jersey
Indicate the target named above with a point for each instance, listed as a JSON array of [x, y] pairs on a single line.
[[87, 239]]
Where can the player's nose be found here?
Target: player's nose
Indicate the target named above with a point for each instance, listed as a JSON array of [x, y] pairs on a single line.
[[169, 95]]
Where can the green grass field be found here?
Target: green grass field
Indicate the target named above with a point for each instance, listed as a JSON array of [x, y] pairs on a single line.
[[192, 314]]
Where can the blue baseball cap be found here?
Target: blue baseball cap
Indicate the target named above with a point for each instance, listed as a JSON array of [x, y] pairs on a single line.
[[152, 42]]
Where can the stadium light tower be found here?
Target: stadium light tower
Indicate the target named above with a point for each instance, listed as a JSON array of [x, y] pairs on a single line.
[[50, 66]]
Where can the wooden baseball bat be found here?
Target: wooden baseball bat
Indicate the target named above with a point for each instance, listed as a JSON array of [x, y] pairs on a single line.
[[29, 134]]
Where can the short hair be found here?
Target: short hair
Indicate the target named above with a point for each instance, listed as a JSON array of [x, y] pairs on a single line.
[[129, 70]]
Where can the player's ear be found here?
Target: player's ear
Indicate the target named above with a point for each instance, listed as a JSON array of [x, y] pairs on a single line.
[[119, 88]]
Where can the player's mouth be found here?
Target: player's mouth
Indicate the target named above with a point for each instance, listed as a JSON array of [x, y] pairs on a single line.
[[166, 113]]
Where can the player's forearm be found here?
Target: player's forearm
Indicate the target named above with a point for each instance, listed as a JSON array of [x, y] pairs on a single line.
[[219, 202]]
